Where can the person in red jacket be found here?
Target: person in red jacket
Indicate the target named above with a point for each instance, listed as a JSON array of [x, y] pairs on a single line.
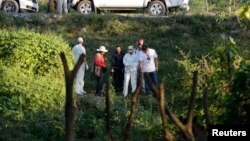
[[100, 68]]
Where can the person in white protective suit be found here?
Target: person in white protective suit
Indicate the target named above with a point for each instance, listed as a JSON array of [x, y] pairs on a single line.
[[77, 51], [130, 61]]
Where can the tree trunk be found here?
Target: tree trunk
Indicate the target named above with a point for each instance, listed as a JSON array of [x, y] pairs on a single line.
[[134, 100], [167, 135], [108, 126], [186, 129], [205, 99], [70, 107]]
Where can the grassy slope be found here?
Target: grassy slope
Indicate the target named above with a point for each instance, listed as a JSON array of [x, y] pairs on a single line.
[[195, 34]]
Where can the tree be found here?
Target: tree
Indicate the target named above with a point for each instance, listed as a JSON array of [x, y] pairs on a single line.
[[70, 107]]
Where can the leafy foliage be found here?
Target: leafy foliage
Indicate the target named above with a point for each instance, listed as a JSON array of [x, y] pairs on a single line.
[[244, 10], [225, 69], [30, 100], [239, 100], [33, 52]]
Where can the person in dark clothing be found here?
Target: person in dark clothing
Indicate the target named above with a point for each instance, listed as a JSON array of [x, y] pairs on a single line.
[[117, 68]]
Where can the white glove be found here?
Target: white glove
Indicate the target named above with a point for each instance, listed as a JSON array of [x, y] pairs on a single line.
[[86, 67]]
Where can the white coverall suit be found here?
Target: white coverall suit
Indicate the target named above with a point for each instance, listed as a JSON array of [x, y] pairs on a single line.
[[79, 82], [130, 62]]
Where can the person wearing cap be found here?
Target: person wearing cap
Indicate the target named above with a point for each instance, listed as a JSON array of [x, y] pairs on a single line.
[[117, 68], [78, 50], [100, 67], [149, 64], [130, 62]]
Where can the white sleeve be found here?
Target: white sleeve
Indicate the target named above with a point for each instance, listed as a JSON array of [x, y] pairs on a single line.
[[155, 54], [140, 56], [135, 60], [125, 60], [83, 50]]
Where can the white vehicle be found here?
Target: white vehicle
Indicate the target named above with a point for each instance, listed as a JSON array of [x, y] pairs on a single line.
[[16, 6], [154, 7]]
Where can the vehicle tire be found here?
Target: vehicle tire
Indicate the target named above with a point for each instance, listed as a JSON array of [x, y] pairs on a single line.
[[85, 7], [10, 6], [156, 8]]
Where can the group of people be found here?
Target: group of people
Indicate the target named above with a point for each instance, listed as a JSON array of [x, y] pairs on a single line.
[[125, 67]]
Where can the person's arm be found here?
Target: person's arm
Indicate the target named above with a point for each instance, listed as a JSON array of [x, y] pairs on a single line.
[[135, 61], [156, 60], [141, 57], [156, 64], [125, 61], [85, 58], [113, 63], [141, 66]]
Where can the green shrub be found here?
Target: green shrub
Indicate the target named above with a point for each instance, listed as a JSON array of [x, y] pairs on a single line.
[[34, 53], [32, 93]]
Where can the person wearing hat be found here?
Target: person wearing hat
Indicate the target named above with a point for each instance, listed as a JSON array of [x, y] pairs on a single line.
[[149, 64], [100, 67], [78, 50], [130, 61]]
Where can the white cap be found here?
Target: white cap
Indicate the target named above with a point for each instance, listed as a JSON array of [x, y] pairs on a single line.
[[102, 48], [80, 39]]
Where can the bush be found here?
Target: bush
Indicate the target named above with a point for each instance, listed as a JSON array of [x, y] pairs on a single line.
[[32, 93], [34, 53]]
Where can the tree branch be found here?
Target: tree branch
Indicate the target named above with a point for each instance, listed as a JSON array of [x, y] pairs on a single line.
[[70, 106], [108, 125], [192, 98], [167, 134], [134, 100], [78, 64]]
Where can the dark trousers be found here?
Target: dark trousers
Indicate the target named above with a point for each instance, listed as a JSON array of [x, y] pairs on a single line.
[[118, 79], [99, 83], [140, 78], [153, 77]]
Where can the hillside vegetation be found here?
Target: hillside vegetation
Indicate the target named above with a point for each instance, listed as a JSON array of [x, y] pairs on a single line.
[[32, 91]]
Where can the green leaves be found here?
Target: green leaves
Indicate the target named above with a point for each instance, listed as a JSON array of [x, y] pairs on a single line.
[[244, 11], [32, 52], [31, 81]]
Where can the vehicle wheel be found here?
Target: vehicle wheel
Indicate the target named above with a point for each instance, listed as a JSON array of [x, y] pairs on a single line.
[[10, 6], [85, 7], [156, 8]]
